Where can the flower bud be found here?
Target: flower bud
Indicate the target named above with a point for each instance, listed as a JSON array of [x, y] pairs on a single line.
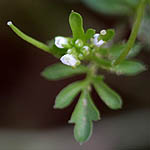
[[103, 32], [85, 50], [79, 43]]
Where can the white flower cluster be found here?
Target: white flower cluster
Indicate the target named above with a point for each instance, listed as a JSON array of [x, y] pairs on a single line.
[[72, 58], [67, 59]]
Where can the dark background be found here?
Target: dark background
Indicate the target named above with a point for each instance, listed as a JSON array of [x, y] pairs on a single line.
[[27, 118]]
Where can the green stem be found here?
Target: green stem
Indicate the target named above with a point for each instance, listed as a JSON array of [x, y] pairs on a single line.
[[133, 35], [28, 38]]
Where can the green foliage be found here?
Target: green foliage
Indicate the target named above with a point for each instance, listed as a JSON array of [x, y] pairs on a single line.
[[66, 96], [117, 49], [85, 112], [76, 24], [109, 97], [134, 50], [88, 48], [59, 71], [89, 34], [129, 68]]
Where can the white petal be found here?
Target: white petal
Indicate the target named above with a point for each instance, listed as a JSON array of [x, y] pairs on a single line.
[[69, 60], [60, 41], [99, 43], [86, 48], [96, 36], [96, 42]]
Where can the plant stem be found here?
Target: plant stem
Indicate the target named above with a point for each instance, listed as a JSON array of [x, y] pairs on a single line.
[[28, 38], [133, 35]]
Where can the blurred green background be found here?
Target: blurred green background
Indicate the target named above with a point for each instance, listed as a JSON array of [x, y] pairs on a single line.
[[28, 120]]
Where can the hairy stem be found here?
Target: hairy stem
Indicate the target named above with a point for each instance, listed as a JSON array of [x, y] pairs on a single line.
[[28, 38], [133, 35]]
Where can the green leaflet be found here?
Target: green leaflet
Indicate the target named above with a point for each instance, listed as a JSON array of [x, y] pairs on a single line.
[[85, 112], [128, 67], [109, 97], [89, 34], [76, 24], [60, 71], [67, 94]]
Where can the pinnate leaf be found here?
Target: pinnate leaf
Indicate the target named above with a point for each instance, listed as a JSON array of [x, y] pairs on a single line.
[[85, 112]]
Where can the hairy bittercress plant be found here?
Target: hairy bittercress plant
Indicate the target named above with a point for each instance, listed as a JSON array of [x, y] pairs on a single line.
[[84, 52]]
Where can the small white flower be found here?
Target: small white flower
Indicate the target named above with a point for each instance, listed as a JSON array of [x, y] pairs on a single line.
[[60, 41], [103, 32], [97, 42], [69, 60]]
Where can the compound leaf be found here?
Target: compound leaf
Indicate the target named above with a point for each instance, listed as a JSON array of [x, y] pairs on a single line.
[[85, 112]]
